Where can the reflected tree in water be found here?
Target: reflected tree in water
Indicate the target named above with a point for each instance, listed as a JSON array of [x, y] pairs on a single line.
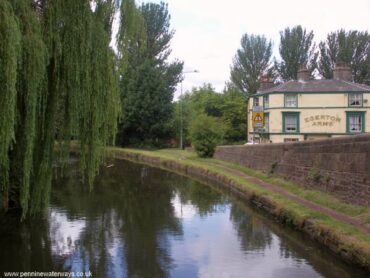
[[123, 221], [204, 198], [28, 240], [253, 234], [129, 226]]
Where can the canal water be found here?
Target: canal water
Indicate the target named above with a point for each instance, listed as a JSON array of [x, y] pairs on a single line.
[[140, 221]]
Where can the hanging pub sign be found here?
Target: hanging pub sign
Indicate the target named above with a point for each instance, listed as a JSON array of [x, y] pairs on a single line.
[[258, 117]]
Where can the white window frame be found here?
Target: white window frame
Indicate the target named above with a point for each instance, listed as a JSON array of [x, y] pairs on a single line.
[[291, 100], [355, 123], [355, 100], [291, 126]]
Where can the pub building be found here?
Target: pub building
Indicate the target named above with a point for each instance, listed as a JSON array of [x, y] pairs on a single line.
[[307, 109]]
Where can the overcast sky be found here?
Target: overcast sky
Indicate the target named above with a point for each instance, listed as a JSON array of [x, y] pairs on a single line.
[[208, 32]]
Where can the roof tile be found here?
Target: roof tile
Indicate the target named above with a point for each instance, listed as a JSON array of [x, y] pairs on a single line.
[[323, 85]]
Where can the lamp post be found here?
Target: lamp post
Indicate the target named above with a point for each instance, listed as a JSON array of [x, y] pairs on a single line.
[[181, 114]]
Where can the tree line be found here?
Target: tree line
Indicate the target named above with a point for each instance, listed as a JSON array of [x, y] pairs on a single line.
[[297, 48], [253, 60]]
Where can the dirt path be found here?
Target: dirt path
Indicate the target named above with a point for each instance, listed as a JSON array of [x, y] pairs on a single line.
[[277, 189]]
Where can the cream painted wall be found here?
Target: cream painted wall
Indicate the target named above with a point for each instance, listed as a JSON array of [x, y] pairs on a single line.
[[313, 120], [323, 120], [322, 100], [275, 121], [367, 100], [276, 100]]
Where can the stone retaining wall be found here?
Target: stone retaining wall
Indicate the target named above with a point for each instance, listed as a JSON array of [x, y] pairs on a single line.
[[340, 166]]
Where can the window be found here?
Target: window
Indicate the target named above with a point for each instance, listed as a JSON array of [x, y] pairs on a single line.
[[291, 122], [355, 122], [266, 101], [354, 99], [256, 101], [267, 120], [291, 100]]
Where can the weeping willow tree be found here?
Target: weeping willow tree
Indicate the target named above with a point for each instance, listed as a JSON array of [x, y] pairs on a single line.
[[58, 81], [10, 41], [30, 76]]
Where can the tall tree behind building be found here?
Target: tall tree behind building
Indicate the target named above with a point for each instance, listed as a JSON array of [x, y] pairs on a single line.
[[148, 80], [352, 48], [296, 49], [251, 61]]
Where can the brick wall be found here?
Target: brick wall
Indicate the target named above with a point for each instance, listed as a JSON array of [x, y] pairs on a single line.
[[340, 166]]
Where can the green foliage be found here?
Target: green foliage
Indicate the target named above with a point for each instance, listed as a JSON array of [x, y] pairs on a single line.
[[234, 113], [205, 100], [205, 133], [352, 48], [10, 42], [273, 167], [228, 107], [148, 79], [131, 38], [143, 116], [296, 49], [315, 173], [158, 32], [30, 77], [60, 81], [251, 61]]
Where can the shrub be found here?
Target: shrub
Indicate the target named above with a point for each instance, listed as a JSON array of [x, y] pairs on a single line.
[[205, 134], [315, 174], [273, 168]]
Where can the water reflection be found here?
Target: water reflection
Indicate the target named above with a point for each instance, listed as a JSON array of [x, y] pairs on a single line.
[[64, 233], [144, 222], [24, 245], [253, 234]]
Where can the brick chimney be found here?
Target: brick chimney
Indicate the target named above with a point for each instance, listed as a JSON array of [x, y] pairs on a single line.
[[303, 74], [265, 83], [342, 72]]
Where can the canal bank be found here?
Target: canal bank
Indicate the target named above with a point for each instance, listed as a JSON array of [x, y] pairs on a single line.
[[143, 221], [341, 228]]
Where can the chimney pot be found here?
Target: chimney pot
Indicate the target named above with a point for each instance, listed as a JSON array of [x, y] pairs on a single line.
[[342, 72], [265, 83], [303, 74]]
